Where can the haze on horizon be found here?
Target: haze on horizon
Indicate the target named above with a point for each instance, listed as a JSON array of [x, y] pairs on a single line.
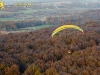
[[52, 0]]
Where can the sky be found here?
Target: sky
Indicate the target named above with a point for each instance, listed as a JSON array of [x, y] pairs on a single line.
[[48, 0]]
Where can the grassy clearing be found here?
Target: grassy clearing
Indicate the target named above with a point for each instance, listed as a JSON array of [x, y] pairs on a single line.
[[36, 27], [43, 26], [8, 19], [2, 11], [34, 10], [26, 11]]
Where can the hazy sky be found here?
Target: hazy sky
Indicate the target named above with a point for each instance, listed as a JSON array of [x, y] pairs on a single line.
[[49, 0]]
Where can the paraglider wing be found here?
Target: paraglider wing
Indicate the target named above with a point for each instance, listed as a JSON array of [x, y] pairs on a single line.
[[65, 27], [1, 5]]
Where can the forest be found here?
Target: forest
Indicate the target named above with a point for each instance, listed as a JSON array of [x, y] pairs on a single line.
[[12, 25], [36, 53]]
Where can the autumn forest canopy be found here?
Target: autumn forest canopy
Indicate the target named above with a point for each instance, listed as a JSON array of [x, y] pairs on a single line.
[[35, 53]]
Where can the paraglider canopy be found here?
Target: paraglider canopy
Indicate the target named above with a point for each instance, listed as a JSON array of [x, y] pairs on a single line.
[[65, 27], [1, 5]]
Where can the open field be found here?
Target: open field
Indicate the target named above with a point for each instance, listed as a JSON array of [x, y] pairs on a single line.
[[8, 19], [35, 28], [34, 10]]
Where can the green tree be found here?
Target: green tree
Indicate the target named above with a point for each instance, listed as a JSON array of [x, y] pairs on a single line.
[[32, 70], [51, 71]]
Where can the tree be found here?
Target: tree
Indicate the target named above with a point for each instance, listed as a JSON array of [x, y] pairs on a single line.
[[51, 71], [13, 70], [32, 70]]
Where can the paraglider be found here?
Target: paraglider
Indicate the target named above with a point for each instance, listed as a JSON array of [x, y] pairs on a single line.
[[65, 27], [69, 52], [1, 5]]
